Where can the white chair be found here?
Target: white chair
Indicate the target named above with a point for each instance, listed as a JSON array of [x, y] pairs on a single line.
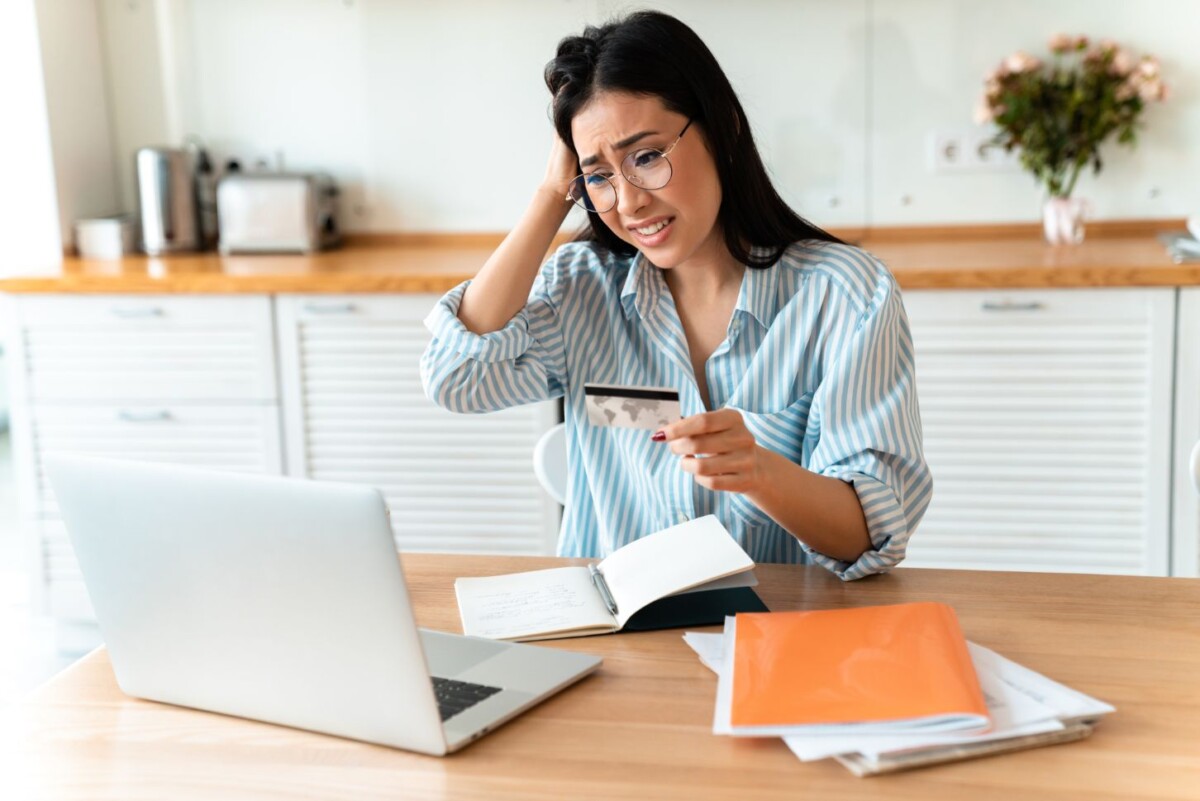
[[1195, 466], [550, 462]]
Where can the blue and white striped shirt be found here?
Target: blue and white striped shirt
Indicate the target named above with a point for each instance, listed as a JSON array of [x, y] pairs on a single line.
[[818, 359]]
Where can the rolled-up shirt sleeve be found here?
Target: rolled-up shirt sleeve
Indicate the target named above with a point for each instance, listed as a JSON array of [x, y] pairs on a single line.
[[870, 432], [523, 362]]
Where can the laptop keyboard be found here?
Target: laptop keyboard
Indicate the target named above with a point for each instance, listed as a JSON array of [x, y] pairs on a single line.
[[456, 696]]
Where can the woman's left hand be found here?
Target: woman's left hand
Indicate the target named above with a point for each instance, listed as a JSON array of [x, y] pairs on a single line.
[[732, 459]]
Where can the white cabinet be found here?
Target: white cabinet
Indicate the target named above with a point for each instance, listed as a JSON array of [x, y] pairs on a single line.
[[214, 348], [1047, 424], [161, 378], [355, 411], [1185, 553], [1048, 419]]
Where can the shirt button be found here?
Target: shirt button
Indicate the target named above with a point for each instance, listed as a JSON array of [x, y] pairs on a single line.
[[681, 518]]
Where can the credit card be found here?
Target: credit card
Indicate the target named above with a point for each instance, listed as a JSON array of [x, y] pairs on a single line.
[[631, 407]]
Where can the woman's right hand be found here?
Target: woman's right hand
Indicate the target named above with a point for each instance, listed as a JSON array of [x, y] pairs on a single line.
[[561, 168], [501, 287]]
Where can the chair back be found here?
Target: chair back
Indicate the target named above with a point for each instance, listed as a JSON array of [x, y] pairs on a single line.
[[1194, 463], [550, 462]]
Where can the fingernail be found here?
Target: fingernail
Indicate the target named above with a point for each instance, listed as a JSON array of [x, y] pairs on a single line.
[[659, 436]]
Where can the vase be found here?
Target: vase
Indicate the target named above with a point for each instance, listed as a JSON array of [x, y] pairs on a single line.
[[1062, 220]]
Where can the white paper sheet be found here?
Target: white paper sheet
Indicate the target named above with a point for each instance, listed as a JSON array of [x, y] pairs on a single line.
[[708, 647], [1020, 701], [1067, 703]]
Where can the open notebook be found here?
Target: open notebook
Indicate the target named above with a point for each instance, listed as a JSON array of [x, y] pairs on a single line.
[[601, 598]]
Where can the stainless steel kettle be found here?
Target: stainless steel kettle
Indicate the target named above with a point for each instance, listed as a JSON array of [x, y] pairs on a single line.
[[166, 189]]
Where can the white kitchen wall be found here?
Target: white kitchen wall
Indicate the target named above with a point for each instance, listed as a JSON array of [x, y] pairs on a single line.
[[29, 226], [77, 109], [143, 113], [928, 60], [433, 115], [800, 71]]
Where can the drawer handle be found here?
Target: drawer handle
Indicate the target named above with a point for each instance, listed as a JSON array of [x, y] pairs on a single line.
[[137, 312], [1013, 306], [143, 417], [330, 308]]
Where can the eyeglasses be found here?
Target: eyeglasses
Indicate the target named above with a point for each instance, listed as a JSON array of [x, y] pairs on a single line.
[[646, 168]]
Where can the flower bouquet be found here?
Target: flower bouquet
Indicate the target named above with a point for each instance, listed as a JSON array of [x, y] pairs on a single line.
[[1058, 112]]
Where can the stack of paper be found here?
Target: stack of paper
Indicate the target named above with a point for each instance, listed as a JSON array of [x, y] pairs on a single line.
[[1026, 709]]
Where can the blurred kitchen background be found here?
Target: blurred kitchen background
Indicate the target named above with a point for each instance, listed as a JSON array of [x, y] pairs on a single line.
[[432, 117]]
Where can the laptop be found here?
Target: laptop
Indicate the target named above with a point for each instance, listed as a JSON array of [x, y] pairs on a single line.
[[282, 600]]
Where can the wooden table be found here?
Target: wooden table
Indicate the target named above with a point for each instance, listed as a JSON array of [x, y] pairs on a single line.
[[641, 727]]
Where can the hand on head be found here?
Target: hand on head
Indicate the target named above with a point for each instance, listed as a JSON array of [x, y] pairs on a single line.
[[561, 168]]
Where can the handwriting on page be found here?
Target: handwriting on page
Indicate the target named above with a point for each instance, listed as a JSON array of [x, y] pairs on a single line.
[[534, 604], [550, 600], [544, 607]]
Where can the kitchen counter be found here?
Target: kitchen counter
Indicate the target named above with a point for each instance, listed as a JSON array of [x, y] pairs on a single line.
[[1116, 254]]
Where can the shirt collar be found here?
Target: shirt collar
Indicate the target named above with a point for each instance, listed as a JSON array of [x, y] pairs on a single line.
[[643, 287], [758, 292]]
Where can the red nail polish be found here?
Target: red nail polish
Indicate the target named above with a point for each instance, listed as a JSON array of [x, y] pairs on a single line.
[[659, 436]]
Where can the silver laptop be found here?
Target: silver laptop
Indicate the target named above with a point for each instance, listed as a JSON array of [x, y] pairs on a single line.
[[282, 600]]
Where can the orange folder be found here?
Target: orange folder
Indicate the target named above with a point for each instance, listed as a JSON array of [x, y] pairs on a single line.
[[878, 664]]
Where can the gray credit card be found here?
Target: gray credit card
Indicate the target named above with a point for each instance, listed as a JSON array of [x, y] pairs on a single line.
[[631, 407]]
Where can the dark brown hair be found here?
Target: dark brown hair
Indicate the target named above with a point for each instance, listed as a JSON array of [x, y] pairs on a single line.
[[653, 54]]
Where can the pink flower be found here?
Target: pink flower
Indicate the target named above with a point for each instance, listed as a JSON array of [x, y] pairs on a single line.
[[1122, 62], [1081, 43], [1153, 89], [1148, 67], [983, 112], [1061, 42], [1021, 61]]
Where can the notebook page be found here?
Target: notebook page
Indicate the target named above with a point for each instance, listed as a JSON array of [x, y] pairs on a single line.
[[532, 604], [669, 561]]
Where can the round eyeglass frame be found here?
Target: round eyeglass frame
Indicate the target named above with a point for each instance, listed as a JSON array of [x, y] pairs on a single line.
[[583, 201]]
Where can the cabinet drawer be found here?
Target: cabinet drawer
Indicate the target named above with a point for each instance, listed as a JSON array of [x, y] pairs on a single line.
[[241, 438], [453, 482], [146, 348], [1046, 417], [1013, 309]]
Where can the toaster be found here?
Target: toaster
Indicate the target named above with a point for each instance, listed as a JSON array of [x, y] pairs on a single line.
[[277, 212]]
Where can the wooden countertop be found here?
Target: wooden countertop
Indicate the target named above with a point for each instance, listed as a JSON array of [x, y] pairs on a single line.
[[641, 727], [959, 257]]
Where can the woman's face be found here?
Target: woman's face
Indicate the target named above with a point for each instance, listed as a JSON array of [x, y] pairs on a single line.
[[615, 124]]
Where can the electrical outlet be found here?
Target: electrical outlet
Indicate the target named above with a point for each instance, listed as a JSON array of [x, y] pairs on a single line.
[[968, 150], [945, 151], [250, 158], [989, 156]]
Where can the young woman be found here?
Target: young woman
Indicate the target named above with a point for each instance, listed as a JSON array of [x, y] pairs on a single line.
[[789, 348]]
